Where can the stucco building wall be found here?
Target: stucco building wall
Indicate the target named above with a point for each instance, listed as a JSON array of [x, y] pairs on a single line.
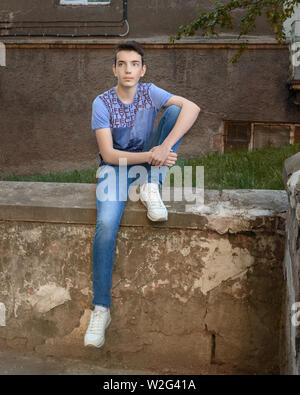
[[49, 83]]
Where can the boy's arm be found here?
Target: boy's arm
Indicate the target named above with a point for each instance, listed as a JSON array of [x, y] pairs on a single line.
[[112, 156], [186, 118]]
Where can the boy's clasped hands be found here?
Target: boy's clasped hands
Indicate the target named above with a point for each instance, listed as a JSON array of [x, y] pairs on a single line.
[[162, 156]]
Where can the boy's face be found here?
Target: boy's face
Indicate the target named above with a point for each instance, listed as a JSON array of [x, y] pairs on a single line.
[[128, 68]]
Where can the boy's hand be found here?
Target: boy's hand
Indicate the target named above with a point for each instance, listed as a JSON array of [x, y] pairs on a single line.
[[162, 156]]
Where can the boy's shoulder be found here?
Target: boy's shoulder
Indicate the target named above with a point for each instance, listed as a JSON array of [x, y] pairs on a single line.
[[108, 93]]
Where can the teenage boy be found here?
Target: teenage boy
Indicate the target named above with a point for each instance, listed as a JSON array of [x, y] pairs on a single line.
[[123, 119]]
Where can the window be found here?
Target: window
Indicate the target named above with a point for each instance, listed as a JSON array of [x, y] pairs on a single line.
[[84, 2], [247, 136], [270, 135], [237, 136]]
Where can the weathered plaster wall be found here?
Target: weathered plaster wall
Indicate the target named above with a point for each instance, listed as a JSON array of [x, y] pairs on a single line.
[[291, 318], [204, 296]]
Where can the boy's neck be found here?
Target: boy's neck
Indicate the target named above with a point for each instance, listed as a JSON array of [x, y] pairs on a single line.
[[126, 94]]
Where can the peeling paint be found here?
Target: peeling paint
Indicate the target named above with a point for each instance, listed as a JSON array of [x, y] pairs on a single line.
[[48, 296], [32, 235], [17, 301], [221, 263], [164, 283], [291, 184], [85, 291], [154, 284], [77, 333], [180, 298], [2, 314], [185, 251]]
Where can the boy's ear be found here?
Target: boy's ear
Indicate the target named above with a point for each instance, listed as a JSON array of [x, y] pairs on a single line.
[[114, 69], [144, 70]]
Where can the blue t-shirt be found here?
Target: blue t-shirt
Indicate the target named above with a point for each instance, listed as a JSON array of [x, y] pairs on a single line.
[[131, 124]]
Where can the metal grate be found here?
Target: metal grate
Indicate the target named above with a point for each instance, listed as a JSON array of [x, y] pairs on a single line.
[[237, 136]]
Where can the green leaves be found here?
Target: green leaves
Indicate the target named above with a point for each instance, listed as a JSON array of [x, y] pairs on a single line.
[[275, 13]]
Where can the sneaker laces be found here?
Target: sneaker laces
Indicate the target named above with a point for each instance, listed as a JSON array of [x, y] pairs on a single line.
[[154, 196], [96, 322]]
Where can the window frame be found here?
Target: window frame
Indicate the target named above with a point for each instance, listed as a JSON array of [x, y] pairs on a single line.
[[292, 127]]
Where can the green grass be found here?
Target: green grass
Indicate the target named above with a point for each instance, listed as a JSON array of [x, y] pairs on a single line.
[[84, 176], [260, 169]]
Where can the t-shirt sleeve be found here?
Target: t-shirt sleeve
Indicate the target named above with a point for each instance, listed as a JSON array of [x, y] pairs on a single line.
[[159, 96], [100, 115]]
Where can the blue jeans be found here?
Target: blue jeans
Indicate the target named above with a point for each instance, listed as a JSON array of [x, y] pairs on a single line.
[[109, 212]]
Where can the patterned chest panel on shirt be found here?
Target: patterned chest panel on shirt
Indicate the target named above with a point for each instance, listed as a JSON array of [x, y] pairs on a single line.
[[122, 116]]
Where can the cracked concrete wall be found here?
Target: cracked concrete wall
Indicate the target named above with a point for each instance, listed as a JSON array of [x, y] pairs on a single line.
[[290, 354], [181, 298]]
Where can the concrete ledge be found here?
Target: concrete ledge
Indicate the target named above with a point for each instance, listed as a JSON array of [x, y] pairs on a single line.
[[224, 41], [223, 211]]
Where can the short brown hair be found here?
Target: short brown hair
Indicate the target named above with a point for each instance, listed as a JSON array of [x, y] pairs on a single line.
[[129, 46]]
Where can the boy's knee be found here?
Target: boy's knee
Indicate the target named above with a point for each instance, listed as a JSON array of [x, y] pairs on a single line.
[[172, 112], [107, 227], [173, 109]]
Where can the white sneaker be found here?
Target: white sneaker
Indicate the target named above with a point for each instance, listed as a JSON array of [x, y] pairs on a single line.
[[94, 335], [150, 197]]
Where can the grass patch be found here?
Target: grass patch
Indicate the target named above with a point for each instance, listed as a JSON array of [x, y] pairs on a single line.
[[82, 176], [260, 169]]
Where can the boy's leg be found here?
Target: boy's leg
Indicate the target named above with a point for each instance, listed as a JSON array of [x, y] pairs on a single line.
[[109, 214], [112, 184], [150, 184], [156, 174]]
